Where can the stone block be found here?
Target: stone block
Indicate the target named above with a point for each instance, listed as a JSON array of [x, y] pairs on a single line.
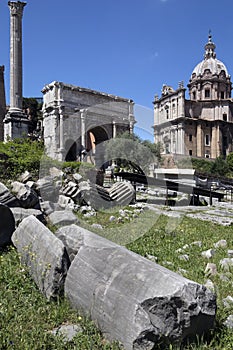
[[7, 198], [62, 218], [44, 255], [7, 225], [26, 195], [48, 189], [133, 300], [48, 207], [21, 213], [64, 201], [26, 176]]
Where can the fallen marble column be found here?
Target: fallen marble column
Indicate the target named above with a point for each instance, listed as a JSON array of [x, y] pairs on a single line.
[[7, 225], [133, 300], [122, 193], [44, 255]]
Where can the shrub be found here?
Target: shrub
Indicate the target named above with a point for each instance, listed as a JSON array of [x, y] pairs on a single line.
[[20, 155]]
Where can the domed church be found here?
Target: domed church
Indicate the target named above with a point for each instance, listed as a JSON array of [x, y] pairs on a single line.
[[201, 126]]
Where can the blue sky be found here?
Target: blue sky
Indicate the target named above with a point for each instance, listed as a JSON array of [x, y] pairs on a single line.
[[128, 48]]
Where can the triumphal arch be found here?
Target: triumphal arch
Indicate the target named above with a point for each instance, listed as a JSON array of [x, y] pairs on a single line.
[[76, 120]]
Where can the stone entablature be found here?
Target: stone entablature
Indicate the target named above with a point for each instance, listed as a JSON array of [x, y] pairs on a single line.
[[71, 113]]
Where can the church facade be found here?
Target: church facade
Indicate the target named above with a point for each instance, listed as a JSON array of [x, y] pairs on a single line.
[[201, 126]]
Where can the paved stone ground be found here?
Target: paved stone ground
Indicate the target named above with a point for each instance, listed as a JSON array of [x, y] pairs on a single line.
[[220, 212]]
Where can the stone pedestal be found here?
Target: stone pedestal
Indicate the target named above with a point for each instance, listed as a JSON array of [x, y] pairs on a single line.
[[15, 126]]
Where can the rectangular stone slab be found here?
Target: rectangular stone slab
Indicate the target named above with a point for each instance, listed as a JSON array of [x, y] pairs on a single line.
[[44, 255], [131, 299]]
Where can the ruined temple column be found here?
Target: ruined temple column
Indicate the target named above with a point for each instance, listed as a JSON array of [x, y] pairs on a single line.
[[2, 101], [16, 122], [16, 68]]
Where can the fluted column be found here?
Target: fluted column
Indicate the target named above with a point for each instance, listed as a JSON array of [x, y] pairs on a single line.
[[16, 70]]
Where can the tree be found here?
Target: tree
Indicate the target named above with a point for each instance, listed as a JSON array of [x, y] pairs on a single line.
[[219, 167], [131, 153], [32, 108], [230, 161]]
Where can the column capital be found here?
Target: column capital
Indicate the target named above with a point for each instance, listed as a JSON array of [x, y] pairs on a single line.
[[16, 8]]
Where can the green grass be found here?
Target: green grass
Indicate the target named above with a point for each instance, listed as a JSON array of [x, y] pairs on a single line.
[[26, 316], [161, 236]]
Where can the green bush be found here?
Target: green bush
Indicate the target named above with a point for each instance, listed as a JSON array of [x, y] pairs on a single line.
[[20, 155], [202, 165], [230, 161]]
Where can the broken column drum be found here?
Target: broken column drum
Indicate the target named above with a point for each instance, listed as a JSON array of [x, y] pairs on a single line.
[[132, 299]]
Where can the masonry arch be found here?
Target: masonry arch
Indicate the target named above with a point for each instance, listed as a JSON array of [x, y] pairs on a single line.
[[71, 150], [86, 116], [96, 137]]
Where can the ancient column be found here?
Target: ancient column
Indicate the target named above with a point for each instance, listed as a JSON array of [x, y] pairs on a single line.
[[16, 122], [199, 140], [214, 146], [83, 133], [131, 117], [2, 101], [114, 129], [16, 69], [219, 141], [62, 151]]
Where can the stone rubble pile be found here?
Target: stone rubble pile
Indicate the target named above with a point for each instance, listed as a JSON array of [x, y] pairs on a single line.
[[55, 198], [132, 299]]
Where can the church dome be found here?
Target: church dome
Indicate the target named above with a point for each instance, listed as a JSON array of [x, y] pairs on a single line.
[[210, 62]]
